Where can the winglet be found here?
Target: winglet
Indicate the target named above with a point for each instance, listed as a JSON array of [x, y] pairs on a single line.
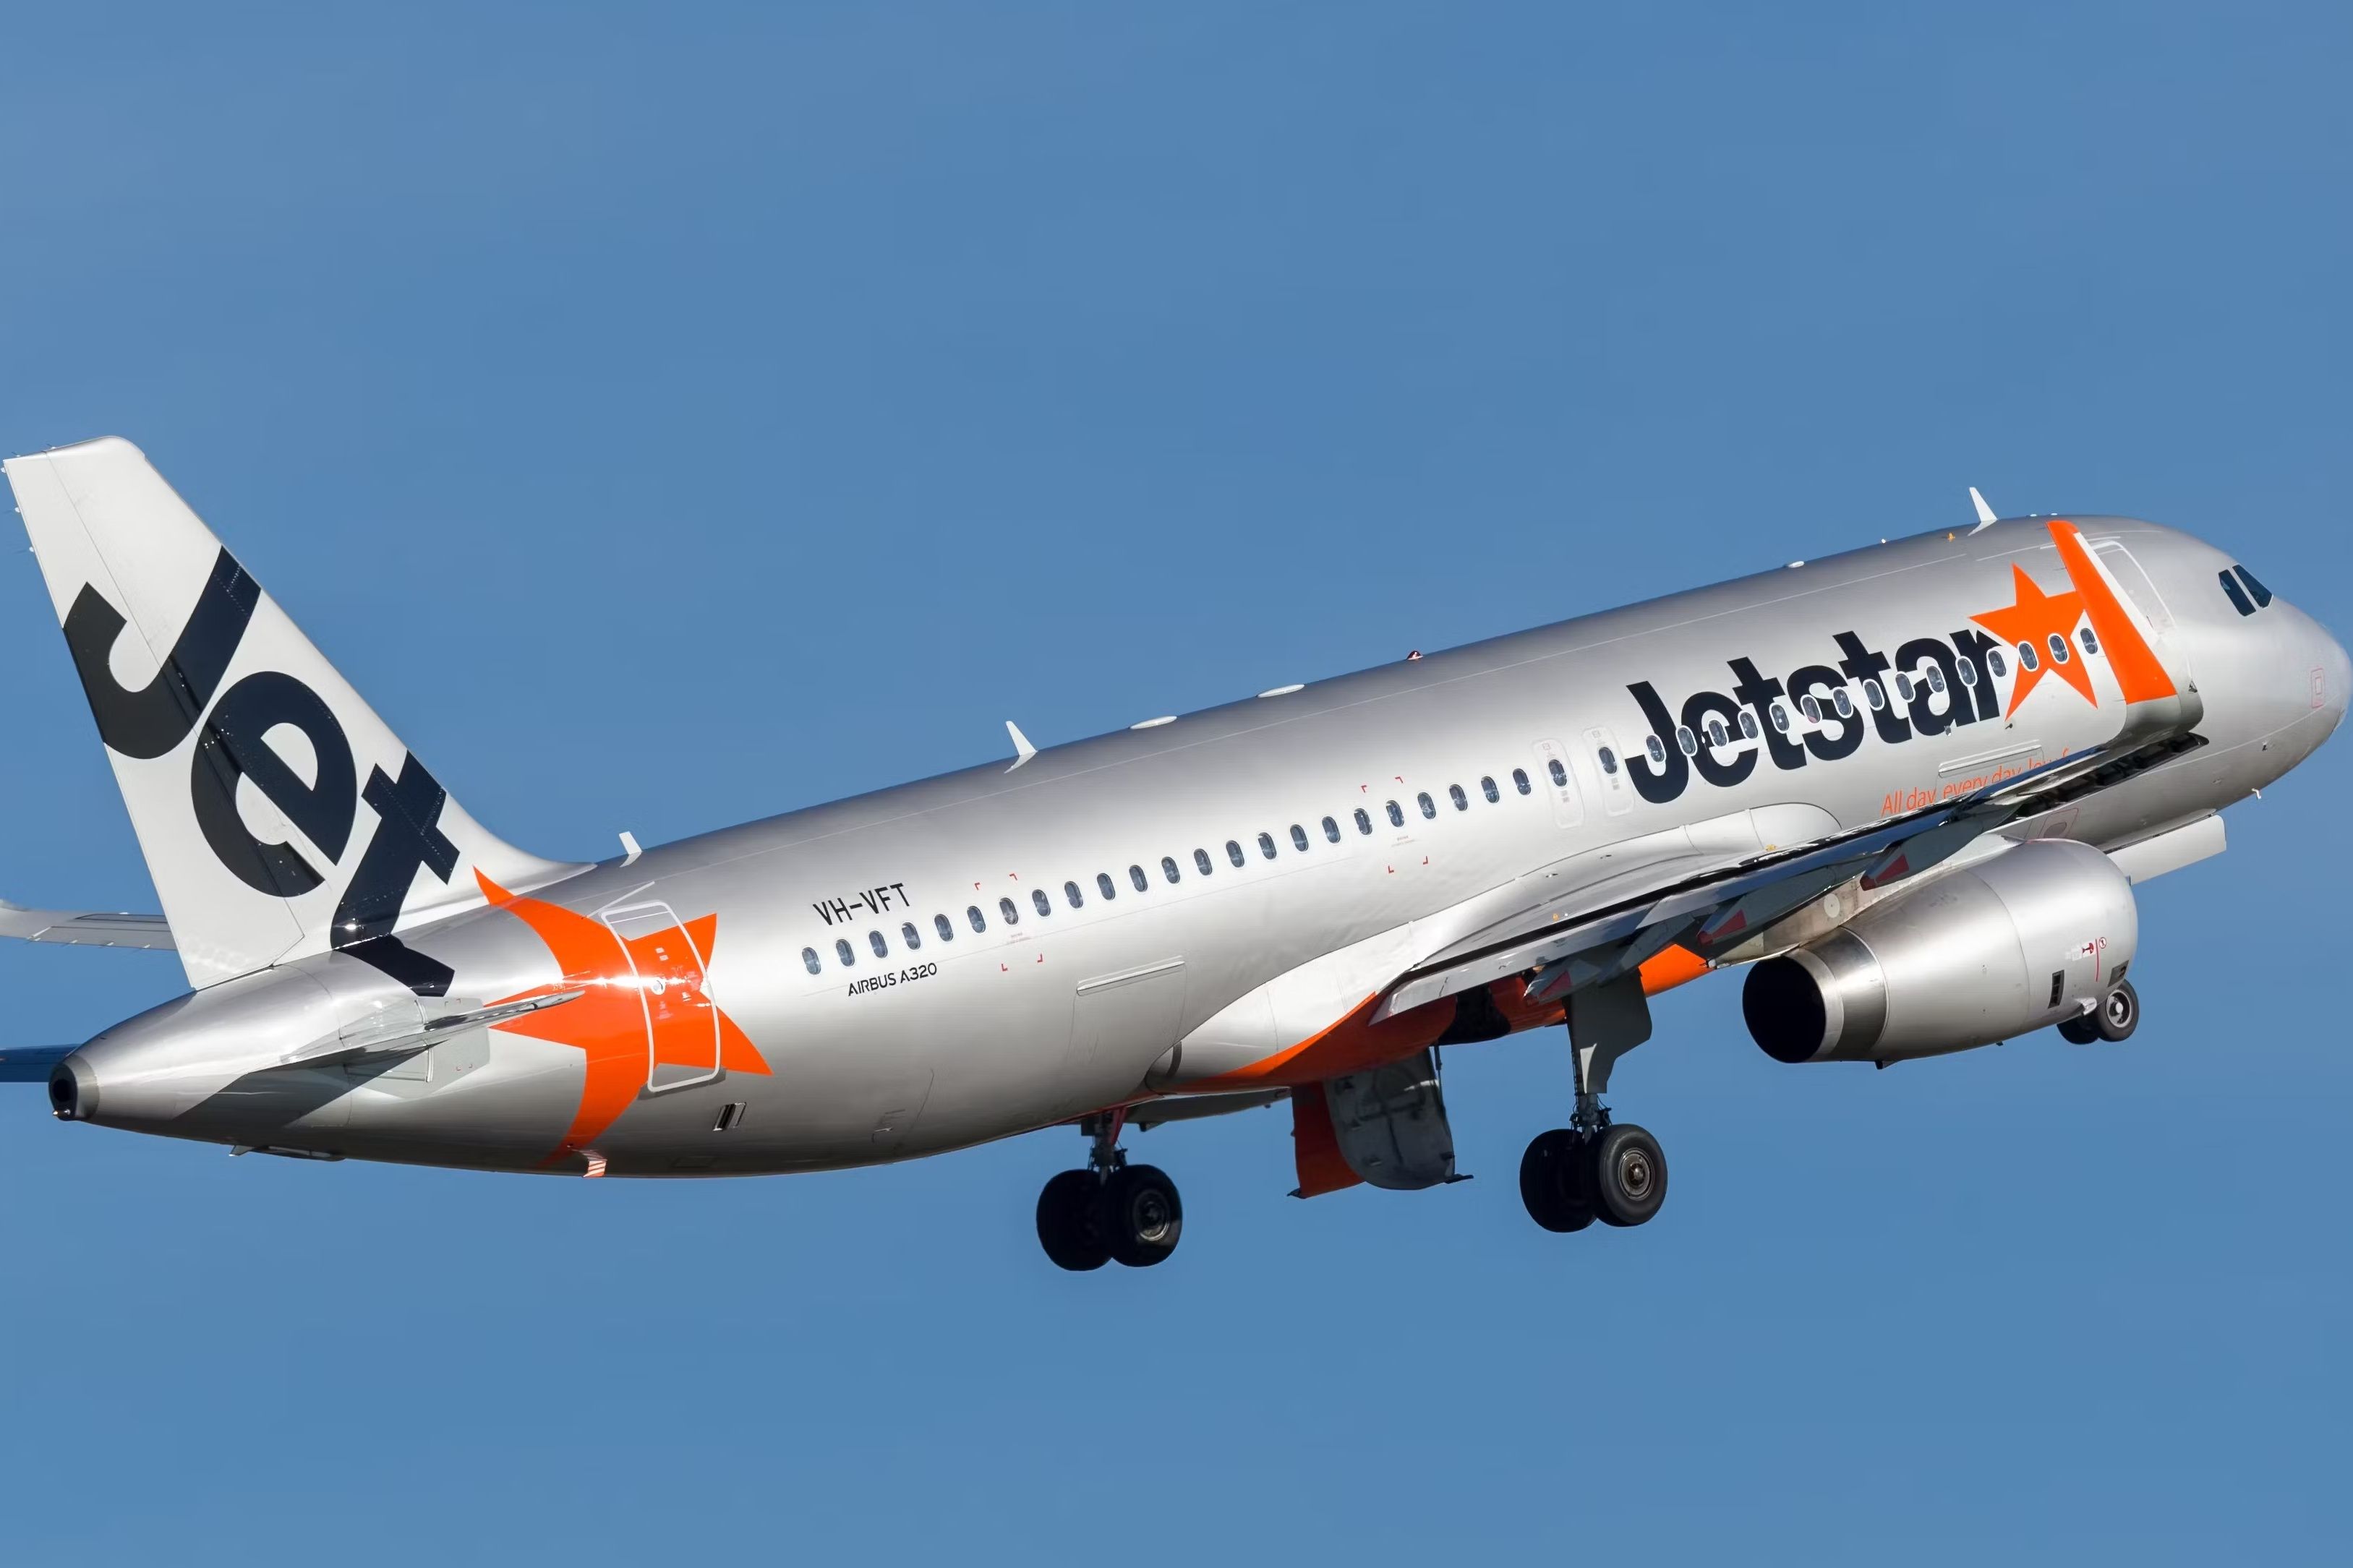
[[1022, 750], [1985, 512]]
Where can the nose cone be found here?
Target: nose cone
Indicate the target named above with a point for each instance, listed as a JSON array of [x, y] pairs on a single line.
[[2332, 677]]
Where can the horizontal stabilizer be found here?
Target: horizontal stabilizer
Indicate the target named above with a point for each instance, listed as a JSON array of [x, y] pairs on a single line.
[[342, 1047], [31, 1064], [85, 928]]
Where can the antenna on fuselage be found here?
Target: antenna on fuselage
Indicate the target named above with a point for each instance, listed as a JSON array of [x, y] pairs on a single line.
[[1022, 750], [1985, 512]]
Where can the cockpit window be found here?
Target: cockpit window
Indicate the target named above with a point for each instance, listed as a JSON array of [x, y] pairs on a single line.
[[2237, 594], [2262, 595]]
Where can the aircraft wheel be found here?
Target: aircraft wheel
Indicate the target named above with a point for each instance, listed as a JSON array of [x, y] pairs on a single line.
[[2084, 1029], [1071, 1222], [1142, 1217], [2119, 1014], [1556, 1183], [1630, 1175]]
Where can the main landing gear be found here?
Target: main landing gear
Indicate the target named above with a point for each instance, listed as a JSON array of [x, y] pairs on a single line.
[[1595, 1169], [2116, 1018], [1112, 1211]]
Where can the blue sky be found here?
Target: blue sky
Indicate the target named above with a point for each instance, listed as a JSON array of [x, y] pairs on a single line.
[[668, 419]]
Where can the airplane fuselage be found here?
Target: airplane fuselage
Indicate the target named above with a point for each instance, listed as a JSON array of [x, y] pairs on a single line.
[[1201, 903]]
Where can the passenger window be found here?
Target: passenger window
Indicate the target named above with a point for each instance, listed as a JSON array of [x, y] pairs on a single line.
[[1903, 687], [1609, 760], [2091, 644], [1969, 672], [2058, 648], [1331, 830], [1428, 806], [1266, 841], [1780, 718], [945, 926], [1364, 823], [1842, 702], [1559, 773], [1995, 666], [1717, 735], [2262, 595], [1454, 793], [1234, 852], [1396, 815], [2026, 659], [874, 940], [1520, 780], [1686, 740], [1658, 750], [1143, 883], [842, 950], [1012, 916], [1298, 839], [1108, 888], [1749, 726], [810, 960], [1040, 902], [910, 936], [1873, 694], [1936, 678], [1810, 709], [2237, 594], [979, 921], [1201, 861], [1487, 787], [1070, 891]]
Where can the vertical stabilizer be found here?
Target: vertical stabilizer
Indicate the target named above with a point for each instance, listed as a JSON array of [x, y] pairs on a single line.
[[279, 815]]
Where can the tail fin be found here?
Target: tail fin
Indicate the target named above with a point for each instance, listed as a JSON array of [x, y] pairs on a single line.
[[279, 816]]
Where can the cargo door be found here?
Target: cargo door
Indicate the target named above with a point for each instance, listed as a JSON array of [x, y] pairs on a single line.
[[1129, 1017]]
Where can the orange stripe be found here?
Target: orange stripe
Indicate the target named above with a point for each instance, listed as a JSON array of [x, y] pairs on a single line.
[[1315, 1145], [2138, 672], [1671, 967], [1354, 1042]]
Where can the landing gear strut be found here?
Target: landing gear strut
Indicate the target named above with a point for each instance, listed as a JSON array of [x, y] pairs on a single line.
[[1112, 1211], [2116, 1018], [1594, 1168]]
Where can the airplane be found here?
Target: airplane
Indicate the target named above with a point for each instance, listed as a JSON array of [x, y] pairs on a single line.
[[1907, 790]]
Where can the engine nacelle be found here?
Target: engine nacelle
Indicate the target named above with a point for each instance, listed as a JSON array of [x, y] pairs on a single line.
[[2035, 935]]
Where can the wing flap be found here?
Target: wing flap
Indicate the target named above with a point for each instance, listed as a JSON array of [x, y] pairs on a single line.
[[1715, 909]]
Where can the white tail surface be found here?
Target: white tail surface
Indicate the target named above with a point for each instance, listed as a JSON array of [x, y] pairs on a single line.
[[279, 816]]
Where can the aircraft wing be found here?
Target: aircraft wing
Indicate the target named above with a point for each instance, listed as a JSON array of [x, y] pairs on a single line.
[[1593, 934], [86, 928]]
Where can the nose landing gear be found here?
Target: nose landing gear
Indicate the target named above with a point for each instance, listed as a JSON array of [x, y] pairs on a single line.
[[1112, 1211], [2116, 1018]]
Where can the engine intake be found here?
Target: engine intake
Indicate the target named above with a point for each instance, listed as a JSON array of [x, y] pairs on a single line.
[[2037, 934]]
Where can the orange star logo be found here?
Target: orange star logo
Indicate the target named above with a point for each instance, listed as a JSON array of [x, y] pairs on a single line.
[[2033, 623], [643, 1006]]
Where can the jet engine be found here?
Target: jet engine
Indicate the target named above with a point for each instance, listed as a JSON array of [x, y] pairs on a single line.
[[2039, 934]]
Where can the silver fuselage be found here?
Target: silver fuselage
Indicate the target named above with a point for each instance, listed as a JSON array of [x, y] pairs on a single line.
[[988, 1032]]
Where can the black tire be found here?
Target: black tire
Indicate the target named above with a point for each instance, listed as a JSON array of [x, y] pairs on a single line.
[[1554, 1182], [1071, 1222], [2084, 1029], [1630, 1175], [1142, 1217], [2120, 1013]]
